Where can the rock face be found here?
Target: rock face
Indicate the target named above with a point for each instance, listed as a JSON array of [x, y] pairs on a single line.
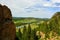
[[7, 27]]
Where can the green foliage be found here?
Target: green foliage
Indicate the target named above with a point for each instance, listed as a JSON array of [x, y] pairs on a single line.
[[29, 32], [24, 37], [51, 29], [20, 34], [34, 36]]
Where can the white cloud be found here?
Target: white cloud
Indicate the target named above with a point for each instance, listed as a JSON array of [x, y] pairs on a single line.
[[18, 7], [54, 1], [47, 4]]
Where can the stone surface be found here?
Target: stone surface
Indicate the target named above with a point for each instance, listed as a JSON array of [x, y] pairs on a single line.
[[7, 27]]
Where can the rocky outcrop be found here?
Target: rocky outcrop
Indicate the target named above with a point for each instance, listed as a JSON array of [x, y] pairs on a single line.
[[7, 27]]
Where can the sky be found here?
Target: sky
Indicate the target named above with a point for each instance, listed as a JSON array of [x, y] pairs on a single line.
[[32, 8]]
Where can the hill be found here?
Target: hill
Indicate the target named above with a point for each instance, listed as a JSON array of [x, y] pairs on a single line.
[[25, 20], [44, 29]]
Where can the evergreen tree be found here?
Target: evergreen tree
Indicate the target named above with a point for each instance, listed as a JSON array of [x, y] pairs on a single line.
[[24, 33], [35, 37], [47, 30], [29, 32], [20, 34]]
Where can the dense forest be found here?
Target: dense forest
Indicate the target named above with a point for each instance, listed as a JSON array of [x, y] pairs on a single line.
[[38, 28]]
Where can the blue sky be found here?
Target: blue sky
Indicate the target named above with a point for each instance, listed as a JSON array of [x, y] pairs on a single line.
[[32, 8]]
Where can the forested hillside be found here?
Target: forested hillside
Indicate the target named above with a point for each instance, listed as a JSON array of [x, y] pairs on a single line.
[[39, 29]]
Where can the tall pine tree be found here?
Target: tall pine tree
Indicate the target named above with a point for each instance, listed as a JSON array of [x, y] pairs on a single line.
[[20, 34], [29, 32], [35, 37], [24, 33]]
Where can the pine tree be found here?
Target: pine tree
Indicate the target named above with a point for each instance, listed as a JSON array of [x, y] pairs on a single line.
[[20, 34], [35, 37], [24, 33], [29, 32], [47, 30]]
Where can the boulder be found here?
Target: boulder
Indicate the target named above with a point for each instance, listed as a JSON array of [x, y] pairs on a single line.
[[7, 27]]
